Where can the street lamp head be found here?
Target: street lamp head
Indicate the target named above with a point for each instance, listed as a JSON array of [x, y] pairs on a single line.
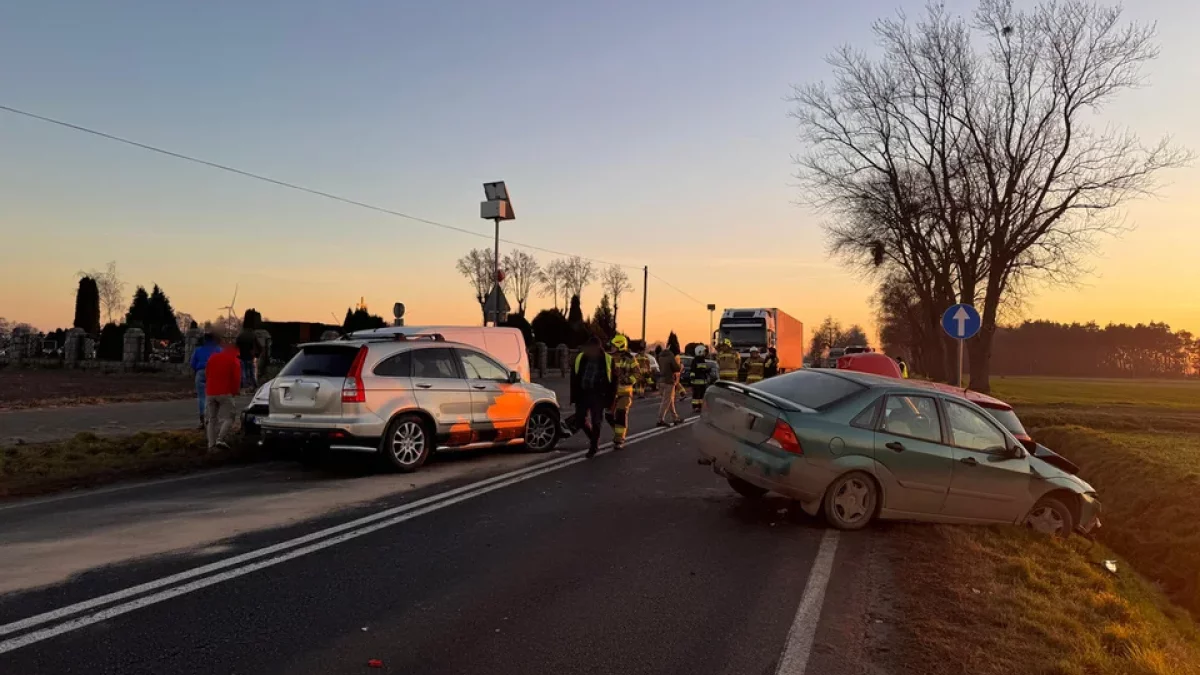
[[712, 307]]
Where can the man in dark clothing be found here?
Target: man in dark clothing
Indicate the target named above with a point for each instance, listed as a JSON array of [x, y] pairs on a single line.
[[593, 390], [248, 351], [771, 367]]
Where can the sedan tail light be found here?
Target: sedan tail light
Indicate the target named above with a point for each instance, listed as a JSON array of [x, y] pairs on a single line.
[[785, 439]]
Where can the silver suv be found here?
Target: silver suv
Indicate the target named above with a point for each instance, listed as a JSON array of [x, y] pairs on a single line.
[[403, 397]]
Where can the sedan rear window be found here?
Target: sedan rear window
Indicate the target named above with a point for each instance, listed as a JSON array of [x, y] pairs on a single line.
[[321, 361], [810, 388]]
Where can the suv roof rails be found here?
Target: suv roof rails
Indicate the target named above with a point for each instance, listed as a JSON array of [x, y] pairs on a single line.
[[396, 337]]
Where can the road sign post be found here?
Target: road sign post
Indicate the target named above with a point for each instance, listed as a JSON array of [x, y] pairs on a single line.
[[962, 323]]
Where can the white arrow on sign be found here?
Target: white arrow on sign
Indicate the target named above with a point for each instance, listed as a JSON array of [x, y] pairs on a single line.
[[962, 318]]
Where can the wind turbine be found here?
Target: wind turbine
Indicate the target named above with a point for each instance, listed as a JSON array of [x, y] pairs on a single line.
[[231, 317]]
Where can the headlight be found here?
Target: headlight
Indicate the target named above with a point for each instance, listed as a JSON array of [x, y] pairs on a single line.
[[263, 395]]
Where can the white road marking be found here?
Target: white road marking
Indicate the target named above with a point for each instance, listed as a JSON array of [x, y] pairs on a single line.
[[364, 525], [804, 627]]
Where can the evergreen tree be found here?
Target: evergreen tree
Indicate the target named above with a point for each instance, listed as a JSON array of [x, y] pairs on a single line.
[[162, 324], [551, 327], [673, 343], [251, 320], [87, 306], [603, 320], [361, 319], [139, 310]]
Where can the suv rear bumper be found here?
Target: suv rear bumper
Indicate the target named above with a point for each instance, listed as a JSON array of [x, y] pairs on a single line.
[[311, 438]]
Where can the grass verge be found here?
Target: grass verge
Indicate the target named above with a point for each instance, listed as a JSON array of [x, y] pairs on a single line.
[[1078, 392], [88, 460], [1011, 601], [1150, 486]]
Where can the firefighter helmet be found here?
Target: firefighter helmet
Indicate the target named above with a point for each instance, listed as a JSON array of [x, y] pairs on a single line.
[[620, 342], [727, 342], [754, 350], [700, 351]]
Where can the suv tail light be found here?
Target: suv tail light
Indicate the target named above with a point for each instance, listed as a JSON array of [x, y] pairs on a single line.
[[785, 439], [352, 387]]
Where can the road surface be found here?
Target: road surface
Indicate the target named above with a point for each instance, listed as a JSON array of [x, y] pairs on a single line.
[[639, 561]]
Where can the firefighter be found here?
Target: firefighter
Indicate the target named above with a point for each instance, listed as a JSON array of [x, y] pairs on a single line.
[[728, 362], [699, 375], [903, 367], [627, 376], [771, 364], [755, 367], [644, 375]]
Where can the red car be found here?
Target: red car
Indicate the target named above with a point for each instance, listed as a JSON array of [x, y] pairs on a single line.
[[881, 364]]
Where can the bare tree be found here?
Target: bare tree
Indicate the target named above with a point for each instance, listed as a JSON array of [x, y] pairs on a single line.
[[521, 271], [112, 290], [615, 282], [184, 321], [963, 157], [476, 266], [578, 273], [553, 279]]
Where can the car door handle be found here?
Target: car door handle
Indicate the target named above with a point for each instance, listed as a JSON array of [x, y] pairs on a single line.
[[894, 445], [424, 385], [969, 461], [479, 386]]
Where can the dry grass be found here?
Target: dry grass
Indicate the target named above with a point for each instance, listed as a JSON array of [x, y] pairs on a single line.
[[21, 389], [1010, 601], [88, 460], [1150, 486]]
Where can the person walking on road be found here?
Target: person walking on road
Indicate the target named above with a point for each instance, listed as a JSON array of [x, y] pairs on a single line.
[[592, 390], [771, 363], [626, 374], [699, 376], [248, 351], [669, 371], [207, 347], [755, 367], [223, 375]]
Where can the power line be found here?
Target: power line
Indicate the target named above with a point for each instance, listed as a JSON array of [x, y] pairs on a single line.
[[677, 289], [293, 186]]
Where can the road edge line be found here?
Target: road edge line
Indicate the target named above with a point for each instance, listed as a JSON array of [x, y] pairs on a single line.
[[798, 647]]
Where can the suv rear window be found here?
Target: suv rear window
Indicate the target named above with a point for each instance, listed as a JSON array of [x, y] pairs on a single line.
[[810, 388], [321, 361]]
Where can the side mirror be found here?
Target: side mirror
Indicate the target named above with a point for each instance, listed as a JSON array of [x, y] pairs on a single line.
[[1017, 452], [514, 377]]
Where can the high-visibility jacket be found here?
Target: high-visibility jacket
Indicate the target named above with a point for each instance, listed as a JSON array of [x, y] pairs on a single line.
[[728, 364], [627, 372], [755, 368], [699, 373], [643, 362], [904, 370]]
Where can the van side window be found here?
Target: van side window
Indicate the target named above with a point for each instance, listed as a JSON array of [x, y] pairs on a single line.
[[399, 365]]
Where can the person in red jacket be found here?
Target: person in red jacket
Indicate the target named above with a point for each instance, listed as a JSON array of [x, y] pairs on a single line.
[[223, 381]]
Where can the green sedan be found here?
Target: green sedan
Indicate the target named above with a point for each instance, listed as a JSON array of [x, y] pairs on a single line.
[[857, 446]]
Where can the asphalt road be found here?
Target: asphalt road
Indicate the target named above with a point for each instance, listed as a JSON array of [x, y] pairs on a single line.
[[633, 562]]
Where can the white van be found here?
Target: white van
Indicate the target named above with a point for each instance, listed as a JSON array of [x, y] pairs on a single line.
[[506, 344]]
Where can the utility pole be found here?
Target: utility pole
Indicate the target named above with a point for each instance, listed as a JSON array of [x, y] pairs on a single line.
[[645, 294], [711, 308], [498, 207], [495, 273]]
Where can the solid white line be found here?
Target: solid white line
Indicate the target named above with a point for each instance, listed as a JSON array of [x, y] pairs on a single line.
[[387, 518], [804, 627]]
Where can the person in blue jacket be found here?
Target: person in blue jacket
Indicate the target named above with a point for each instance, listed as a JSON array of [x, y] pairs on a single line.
[[207, 347]]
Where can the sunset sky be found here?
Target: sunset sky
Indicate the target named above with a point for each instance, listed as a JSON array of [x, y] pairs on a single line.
[[641, 133]]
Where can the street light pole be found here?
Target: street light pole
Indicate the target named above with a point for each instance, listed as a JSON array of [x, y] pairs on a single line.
[[645, 294], [495, 273], [712, 342]]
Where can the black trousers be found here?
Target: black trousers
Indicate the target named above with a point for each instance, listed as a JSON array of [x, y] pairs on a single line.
[[589, 411], [698, 395]]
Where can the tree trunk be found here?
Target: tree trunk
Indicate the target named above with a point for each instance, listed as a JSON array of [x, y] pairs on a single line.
[[980, 346]]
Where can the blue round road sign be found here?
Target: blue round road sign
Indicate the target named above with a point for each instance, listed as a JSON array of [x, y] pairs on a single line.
[[961, 322]]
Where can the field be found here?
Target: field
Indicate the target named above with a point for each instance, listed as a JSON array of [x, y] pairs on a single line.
[[38, 388], [1050, 607]]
